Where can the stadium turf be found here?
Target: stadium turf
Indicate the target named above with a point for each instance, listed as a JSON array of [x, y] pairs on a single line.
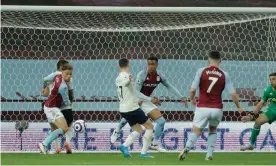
[[118, 159]]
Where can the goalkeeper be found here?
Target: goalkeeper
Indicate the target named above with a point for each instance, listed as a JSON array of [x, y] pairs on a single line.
[[268, 116]]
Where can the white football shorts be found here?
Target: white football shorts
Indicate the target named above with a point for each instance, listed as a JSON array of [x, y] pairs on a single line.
[[147, 107], [52, 114], [204, 115]]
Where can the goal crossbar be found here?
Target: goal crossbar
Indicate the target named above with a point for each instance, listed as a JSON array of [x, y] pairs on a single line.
[[140, 9]]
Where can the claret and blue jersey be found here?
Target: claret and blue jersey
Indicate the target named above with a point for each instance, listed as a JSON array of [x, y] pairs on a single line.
[[211, 81]]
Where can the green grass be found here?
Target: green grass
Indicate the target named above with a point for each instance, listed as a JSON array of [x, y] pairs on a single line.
[[118, 159]]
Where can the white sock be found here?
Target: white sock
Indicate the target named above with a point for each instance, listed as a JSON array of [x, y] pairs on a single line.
[[147, 140], [131, 138], [69, 134]]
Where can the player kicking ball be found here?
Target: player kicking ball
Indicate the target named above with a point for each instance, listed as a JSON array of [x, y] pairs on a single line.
[[66, 110], [58, 97], [130, 110], [268, 116], [211, 82], [146, 82]]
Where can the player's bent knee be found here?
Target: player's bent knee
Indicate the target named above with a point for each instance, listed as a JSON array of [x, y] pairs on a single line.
[[212, 129], [148, 124], [260, 121], [53, 127], [65, 128], [197, 130], [61, 123], [155, 114], [137, 128]]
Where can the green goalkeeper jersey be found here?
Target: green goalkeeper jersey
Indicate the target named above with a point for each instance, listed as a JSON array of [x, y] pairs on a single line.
[[270, 96]]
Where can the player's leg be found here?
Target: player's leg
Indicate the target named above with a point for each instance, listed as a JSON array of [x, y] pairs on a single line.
[[199, 123], [68, 136], [262, 119], [212, 138], [137, 130], [132, 121], [53, 128], [216, 116], [157, 117], [147, 139], [154, 113], [117, 130], [68, 115], [54, 116]]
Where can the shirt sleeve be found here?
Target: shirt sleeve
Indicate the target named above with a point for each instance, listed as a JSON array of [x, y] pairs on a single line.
[[138, 86], [228, 84], [266, 94], [63, 90], [196, 81], [49, 78], [169, 86]]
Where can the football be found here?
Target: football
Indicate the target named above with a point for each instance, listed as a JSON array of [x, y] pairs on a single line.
[[79, 126]]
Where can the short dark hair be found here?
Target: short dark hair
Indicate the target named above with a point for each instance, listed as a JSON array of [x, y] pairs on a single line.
[[67, 66], [153, 58], [123, 62], [61, 63], [272, 74], [214, 55]]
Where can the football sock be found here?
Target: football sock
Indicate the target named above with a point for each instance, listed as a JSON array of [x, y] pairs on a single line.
[[254, 134], [212, 138], [160, 123], [147, 140]]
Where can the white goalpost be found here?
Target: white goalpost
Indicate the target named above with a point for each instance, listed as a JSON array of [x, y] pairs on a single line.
[[33, 38]]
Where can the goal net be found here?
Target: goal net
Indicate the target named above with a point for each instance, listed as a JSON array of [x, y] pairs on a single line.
[[32, 42]]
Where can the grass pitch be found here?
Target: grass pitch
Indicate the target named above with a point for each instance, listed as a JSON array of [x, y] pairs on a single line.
[[118, 159]]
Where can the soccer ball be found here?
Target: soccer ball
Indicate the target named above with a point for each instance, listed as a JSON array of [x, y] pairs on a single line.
[[79, 126]]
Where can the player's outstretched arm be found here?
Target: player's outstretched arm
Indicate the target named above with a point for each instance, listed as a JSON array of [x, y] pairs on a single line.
[[172, 89], [229, 87], [258, 107], [251, 115], [192, 96], [49, 78], [264, 99], [235, 99]]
